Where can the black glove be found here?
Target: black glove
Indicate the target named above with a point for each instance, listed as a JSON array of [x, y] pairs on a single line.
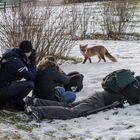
[[32, 57]]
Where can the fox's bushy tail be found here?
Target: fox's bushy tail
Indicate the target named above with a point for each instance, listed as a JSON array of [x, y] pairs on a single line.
[[112, 58]]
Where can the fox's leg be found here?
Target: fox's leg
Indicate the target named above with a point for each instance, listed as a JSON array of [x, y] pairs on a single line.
[[103, 58], [85, 60], [99, 59], [89, 60]]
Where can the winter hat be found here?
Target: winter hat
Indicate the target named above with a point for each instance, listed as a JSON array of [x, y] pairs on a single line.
[[26, 46]]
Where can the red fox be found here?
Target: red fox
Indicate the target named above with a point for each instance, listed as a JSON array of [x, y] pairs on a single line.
[[99, 50]]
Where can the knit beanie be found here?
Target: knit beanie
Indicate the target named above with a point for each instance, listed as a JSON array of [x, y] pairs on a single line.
[[26, 46]]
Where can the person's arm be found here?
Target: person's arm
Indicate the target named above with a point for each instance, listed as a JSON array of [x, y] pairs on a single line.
[[24, 71], [32, 62], [60, 77]]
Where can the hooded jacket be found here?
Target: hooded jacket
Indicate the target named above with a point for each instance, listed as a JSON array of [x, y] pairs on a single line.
[[16, 68]]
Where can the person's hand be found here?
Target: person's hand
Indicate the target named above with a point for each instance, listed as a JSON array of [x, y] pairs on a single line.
[[59, 69], [32, 57]]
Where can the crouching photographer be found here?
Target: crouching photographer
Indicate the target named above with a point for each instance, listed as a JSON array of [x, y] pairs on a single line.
[[17, 63]]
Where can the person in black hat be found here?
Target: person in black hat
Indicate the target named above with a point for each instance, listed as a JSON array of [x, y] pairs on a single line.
[[17, 63]]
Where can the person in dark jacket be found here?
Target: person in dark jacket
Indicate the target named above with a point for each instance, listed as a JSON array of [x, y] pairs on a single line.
[[45, 109], [49, 79], [17, 63]]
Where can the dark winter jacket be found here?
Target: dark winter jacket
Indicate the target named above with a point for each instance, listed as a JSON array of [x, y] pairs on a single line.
[[47, 80], [17, 68], [109, 98]]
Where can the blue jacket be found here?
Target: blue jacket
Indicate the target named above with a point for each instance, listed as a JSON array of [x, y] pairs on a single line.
[[17, 68]]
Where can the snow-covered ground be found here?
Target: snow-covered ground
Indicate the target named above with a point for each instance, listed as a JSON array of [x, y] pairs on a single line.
[[120, 124]]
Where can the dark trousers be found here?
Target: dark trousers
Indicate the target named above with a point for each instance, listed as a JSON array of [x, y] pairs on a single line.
[[57, 110], [12, 94]]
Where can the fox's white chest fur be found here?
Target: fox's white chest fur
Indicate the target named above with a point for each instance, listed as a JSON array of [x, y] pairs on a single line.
[[83, 53]]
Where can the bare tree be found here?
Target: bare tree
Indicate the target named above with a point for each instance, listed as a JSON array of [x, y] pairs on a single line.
[[45, 26], [85, 20], [117, 17]]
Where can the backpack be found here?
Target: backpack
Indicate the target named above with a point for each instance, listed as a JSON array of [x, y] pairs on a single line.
[[118, 80], [76, 82], [132, 92]]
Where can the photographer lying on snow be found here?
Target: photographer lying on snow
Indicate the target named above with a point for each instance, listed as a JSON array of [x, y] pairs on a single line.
[[119, 86]]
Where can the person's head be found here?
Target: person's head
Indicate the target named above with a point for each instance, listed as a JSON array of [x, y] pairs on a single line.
[[45, 62], [51, 58], [26, 47]]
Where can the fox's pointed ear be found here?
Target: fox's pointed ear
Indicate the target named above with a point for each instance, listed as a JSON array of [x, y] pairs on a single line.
[[86, 45]]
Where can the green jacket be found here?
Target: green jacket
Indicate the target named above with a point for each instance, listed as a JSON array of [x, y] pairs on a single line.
[[46, 81]]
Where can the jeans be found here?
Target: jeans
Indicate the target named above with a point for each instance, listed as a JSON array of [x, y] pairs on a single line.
[[65, 96]]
